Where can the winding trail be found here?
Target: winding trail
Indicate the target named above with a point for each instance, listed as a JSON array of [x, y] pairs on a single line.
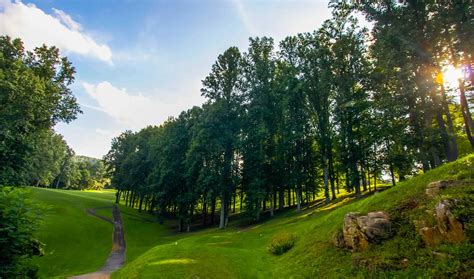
[[117, 255]]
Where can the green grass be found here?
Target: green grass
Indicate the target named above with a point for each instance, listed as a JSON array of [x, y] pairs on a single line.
[[242, 253], [77, 243]]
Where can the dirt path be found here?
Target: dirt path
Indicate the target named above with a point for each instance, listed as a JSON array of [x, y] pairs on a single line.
[[117, 256]]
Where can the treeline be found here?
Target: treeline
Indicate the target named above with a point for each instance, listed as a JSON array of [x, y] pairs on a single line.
[[339, 107], [35, 96], [52, 164]]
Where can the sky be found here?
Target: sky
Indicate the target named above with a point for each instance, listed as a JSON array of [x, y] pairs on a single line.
[[140, 61]]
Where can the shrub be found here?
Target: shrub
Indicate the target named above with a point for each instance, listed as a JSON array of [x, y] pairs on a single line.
[[19, 218], [281, 243]]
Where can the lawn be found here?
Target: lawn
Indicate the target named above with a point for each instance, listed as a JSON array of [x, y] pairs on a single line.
[[77, 243], [242, 252]]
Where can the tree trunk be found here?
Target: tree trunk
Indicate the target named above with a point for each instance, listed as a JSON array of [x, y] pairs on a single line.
[[281, 197], [222, 216], [468, 126], [241, 200], [392, 174], [375, 181], [272, 200], [298, 199], [213, 210], [204, 213], [364, 182], [235, 197], [140, 204], [331, 177], [117, 196], [326, 183], [289, 197], [452, 134]]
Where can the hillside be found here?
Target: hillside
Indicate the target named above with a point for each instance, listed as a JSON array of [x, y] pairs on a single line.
[[77, 243], [242, 252]]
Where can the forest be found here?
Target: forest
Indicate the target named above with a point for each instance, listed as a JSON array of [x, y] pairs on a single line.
[[340, 107], [381, 93]]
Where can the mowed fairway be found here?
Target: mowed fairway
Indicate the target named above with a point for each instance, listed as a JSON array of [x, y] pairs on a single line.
[[77, 243]]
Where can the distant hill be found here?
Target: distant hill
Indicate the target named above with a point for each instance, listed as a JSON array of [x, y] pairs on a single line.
[[82, 158]]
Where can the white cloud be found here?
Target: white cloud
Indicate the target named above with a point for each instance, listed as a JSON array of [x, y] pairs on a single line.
[[67, 20], [279, 19], [135, 111], [35, 28]]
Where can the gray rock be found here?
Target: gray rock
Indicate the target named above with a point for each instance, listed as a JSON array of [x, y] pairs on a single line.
[[360, 230]]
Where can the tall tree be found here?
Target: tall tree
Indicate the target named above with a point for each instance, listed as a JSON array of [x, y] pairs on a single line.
[[221, 87], [34, 94]]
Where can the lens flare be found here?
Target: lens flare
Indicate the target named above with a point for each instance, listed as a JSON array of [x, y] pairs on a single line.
[[451, 76]]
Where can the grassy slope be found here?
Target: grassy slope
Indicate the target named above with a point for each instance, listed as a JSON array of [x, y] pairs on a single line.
[[242, 253], [77, 243]]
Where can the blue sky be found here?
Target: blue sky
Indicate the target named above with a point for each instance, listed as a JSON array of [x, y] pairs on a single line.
[[140, 61]]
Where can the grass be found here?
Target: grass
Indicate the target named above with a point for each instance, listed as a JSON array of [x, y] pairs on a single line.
[[242, 253], [77, 243]]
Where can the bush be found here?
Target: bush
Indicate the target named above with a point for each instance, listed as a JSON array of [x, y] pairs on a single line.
[[281, 243], [19, 218]]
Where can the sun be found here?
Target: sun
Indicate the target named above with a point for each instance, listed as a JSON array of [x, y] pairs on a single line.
[[451, 75]]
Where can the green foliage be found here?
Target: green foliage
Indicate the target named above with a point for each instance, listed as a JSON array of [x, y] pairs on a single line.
[[19, 242], [281, 243], [34, 94], [327, 109]]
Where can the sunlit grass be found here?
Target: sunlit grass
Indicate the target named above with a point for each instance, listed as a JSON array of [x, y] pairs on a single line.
[[242, 253]]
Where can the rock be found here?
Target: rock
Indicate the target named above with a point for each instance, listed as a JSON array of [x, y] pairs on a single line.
[[430, 236], [360, 230], [338, 239], [378, 226], [353, 236], [435, 187], [447, 228], [451, 229]]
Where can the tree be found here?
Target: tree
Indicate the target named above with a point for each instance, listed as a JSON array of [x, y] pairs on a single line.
[[221, 86], [34, 94], [296, 133]]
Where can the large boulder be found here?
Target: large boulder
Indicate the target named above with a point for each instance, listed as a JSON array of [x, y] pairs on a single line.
[[360, 230], [354, 238], [447, 227]]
